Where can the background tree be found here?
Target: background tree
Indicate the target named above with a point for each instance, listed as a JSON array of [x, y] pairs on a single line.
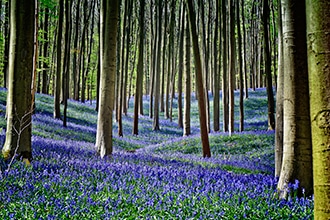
[[57, 84], [19, 106], [318, 38], [187, 80], [157, 72], [199, 82], [279, 100], [139, 78], [108, 48], [268, 62], [297, 148]]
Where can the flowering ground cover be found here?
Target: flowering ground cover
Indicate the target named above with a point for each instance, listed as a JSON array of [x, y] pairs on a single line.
[[165, 176]]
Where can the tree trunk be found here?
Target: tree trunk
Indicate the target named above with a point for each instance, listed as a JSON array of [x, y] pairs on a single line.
[[199, 82], [57, 93], [297, 148], [240, 69], [108, 50], [139, 77], [180, 72], [155, 125], [66, 60], [246, 91], [6, 49], [225, 90], [216, 75], [268, 63], [45, 66], [279, 100], [318, 38], [187, 88], [232, 66], [75, 62], [21, 51]]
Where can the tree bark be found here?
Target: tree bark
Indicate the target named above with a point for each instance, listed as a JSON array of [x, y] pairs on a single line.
[[232, 66], [216, 75], [155, 125], [187, 88], [297, 148], [279, 100], [57, 85], [225, 101], [240, 69], [139, 77], [318, 38], [268, 63], [108, 49], [199, 82], [21, 51]]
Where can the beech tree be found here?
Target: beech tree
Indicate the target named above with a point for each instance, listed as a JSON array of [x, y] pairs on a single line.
[[139, 78], [199, 82], [297, 148], [19, 99], [108, 48], [318, 38]]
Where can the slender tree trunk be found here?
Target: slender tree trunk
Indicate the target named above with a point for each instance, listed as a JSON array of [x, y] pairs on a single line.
[[75, 62], [240, 69], [268, 63], [187, 88], [57, 94], [216, 76], [279, 100], [139, 77], [157, 73], [225, 101], [246, 90], [199, 82], [232, 67], [180, 72], [318, 38], [45, 66], [66, 60], [162, 93]]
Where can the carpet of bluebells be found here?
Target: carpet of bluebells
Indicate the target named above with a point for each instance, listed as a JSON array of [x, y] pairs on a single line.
[[153, 175]]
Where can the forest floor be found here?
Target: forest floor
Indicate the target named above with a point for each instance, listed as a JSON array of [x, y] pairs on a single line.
[[153, 175]]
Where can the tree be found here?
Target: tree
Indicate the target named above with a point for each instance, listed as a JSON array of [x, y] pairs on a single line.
[[216, 75], [108, 49], [187, 87], [268, 63], [240, 69], [180, 70], [297, 149], [232, 66], [57, 84], [318, 38], [225, 100], [19, 106], [139, 77], [279, 100], [156, 74], [199, 82]]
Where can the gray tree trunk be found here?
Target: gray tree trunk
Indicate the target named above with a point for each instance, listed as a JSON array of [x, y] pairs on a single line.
[[108, 49], [297, 146], [19, 106]]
